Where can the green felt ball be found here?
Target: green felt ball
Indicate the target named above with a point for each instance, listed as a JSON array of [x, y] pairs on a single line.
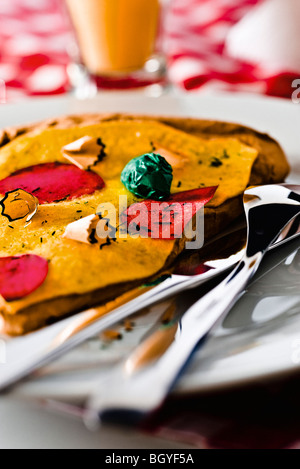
[[148, 176]]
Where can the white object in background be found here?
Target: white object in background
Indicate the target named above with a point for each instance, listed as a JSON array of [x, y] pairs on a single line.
[[269, 35]]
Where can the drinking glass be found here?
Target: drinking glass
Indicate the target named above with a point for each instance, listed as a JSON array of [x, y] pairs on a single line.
[[119, 44]]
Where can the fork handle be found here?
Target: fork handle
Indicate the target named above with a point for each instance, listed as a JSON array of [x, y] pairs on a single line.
[[146, 390]]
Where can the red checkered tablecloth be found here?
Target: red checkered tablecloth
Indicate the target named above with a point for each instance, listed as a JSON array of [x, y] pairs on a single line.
[[33, 56], [34, 37]]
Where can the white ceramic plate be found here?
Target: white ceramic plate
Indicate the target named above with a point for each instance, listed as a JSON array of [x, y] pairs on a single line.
[[261, 336]]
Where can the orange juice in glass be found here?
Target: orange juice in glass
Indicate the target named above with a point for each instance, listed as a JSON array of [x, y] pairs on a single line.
[[115, 37]]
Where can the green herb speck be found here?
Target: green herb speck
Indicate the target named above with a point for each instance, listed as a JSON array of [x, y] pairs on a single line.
[[216, 162]]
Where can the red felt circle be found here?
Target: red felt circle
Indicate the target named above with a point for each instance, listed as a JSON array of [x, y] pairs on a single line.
[[53, 182], [21, 275]]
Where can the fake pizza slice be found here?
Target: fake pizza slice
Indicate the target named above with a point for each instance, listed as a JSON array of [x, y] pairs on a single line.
[[58, 180]]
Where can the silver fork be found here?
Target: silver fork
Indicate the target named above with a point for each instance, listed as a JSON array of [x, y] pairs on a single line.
[[128, 398]]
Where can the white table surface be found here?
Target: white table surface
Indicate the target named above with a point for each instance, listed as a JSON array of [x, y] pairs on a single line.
[[25, 425]]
